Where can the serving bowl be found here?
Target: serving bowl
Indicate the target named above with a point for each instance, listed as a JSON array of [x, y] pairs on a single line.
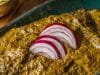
[[49, 8]]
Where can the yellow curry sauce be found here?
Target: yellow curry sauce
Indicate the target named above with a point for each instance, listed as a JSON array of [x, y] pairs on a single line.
[[16, 59]]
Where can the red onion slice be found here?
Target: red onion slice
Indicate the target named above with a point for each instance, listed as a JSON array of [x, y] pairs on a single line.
[[44, 51], [56, 42], [64, 38], [63, 33], [40, 44]]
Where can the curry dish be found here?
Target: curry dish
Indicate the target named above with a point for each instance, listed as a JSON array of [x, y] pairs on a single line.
[[16, 59]]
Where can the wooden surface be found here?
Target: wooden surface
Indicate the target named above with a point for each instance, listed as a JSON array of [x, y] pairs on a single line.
[[21, 7]]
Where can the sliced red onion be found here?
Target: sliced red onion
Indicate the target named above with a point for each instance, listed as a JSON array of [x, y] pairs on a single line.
[[63, 38], [44, 51], [62, 32], [56, 42], [46, 47]]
